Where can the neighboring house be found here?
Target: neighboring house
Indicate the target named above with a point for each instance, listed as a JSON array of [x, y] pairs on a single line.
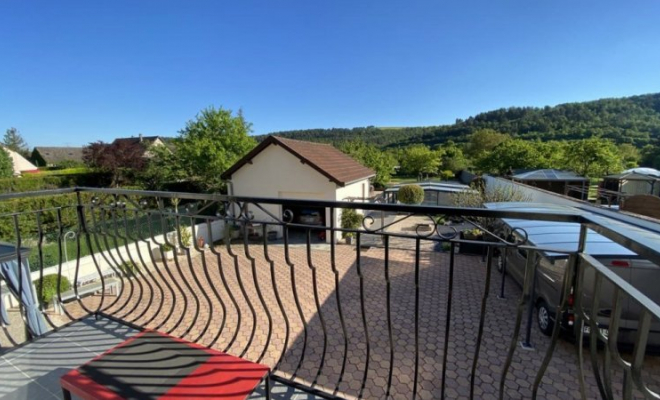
[[634, 181], [21, 165], [53, 156], [144, 142], [294, 169], [567, 183]]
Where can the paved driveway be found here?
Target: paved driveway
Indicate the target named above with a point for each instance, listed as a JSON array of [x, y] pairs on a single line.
[[199, 297]]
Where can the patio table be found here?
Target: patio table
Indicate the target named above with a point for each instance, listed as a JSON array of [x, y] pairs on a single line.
[[154, 365]]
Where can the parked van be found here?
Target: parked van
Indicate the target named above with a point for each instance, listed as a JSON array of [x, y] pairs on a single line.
[[551, 266]]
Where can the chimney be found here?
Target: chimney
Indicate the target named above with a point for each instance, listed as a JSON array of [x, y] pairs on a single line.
[[140, 135]]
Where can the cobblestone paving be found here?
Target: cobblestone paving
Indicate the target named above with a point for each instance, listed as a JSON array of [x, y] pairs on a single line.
[[226, 299]]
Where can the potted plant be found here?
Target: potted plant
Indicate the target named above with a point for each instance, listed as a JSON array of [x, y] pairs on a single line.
[[475, 234], [168, 251], [350, 219]]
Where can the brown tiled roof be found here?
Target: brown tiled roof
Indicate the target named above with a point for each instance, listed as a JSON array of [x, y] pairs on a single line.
[[53, 155], [337, 166]]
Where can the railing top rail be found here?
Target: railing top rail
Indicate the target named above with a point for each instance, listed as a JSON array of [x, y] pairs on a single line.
[[417, 209], [625, 286], [15, 195]]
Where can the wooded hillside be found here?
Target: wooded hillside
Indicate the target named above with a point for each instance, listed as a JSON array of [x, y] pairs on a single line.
[[634, 120]]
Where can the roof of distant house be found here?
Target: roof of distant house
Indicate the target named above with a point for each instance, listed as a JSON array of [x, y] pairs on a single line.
[[53, 155], [548, 175], [140, 139], [21, 165], [324, 158]]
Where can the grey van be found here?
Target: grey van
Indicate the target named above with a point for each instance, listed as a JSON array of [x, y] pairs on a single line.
[[551, 266]]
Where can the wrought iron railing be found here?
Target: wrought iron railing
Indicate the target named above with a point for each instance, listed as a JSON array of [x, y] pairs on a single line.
[[400, 313]]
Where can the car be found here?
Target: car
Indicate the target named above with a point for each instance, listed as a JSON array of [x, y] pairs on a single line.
[[551, 268], [310, 217]]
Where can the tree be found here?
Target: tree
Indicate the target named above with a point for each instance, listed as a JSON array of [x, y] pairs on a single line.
[[593, 157], [651, 155], [163, 168], [419, 159], [210, 144], [121, 158], [630, 155], [380, 161], [511, 154], [453, 159], [14, 141], [6, 165], [484, 141]]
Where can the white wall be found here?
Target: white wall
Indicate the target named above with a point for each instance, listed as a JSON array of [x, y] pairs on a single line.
[[279, 174]]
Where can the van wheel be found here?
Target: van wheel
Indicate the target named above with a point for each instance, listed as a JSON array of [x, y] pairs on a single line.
[[544, 319]]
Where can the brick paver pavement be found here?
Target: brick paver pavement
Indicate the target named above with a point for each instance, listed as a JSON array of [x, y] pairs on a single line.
[[235, 290]]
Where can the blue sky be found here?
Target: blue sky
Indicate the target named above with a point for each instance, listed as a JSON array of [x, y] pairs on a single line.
[[76, 72]]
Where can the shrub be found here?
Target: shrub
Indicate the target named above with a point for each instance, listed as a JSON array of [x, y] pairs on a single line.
[[186, 237], [411, 194], [129, 268], [350, 219], [49, 288], [447, 175]]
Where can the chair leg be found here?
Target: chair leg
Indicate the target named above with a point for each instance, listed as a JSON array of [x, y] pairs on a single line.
[[66, 394], [267, 387]]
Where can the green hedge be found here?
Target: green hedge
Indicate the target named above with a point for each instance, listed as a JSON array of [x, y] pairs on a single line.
[[50, 287], [30, 183]]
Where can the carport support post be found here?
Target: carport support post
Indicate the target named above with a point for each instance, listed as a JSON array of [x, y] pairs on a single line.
[[527, 344], [503, 261]]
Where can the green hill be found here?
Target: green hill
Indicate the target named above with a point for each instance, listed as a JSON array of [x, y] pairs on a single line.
[[634, 120]]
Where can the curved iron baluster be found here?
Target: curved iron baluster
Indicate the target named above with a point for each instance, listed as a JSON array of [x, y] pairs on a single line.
[[58, 215], [19, 259], [223, 279], [208, 277], [278, 299], [136, 240], [111, 261], [163, 229], [116, 247], [310, 263], [196, 280], [524, 300], [253, 263], [160, 274], [358, 264], [335, 272], [450, 296], [561, 308], [40, 251], [294, 289], [388, 297]]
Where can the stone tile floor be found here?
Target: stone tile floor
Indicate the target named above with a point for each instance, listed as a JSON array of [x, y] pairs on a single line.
[[32, 371]]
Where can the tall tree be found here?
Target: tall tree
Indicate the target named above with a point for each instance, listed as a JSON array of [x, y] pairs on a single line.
[[484, 141], [454, 159], [630, 155], [211, 143], [14, 141], [511, 154], [6, 165], [380, 161], [593, 157], [122, 158], [419, 160]]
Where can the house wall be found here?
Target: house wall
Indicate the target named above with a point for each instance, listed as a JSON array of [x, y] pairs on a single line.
[[640, 187], [276, 173]]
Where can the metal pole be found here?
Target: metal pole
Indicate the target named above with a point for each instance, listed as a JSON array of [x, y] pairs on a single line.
[[503, 260], [527, 344]]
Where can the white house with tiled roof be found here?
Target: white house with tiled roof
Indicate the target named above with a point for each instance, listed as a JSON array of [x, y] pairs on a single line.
[[294, 169]]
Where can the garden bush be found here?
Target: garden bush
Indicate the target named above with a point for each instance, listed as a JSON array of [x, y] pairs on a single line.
[[350, 219], [411, 194], [46, 292]]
